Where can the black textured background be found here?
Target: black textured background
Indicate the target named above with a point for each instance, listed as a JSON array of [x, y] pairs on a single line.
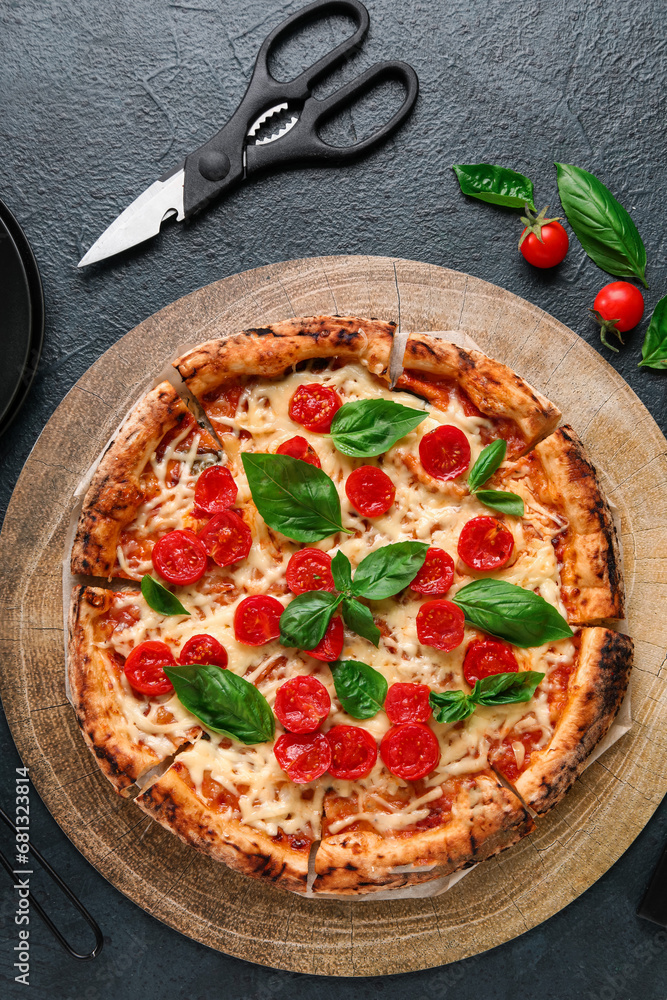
[[98, 99]]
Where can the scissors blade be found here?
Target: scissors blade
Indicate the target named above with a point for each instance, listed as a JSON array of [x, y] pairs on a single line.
[[142, 219]]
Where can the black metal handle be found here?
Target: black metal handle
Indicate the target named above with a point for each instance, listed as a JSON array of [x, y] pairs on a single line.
[[303, 144], [217, 166]]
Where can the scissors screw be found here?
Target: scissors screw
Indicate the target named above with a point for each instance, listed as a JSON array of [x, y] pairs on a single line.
[[214, 165]]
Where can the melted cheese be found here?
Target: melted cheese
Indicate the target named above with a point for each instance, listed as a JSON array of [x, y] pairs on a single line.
[[424, 510]]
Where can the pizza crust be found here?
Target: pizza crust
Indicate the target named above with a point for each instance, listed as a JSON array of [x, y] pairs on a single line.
[[595, 693], [115, 495], [177, 808], [494, 388], [486, 819]]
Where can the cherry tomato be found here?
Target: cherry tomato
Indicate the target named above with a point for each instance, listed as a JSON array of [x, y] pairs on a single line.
[[408, 703], [215, 491], [330, 646], [298, 447], [302, 704], [257, 620], [543, 242], [303, 758], [445, 452], [179, 557], [203, 649], [309, 569], [620, 303], [485, 544], [226, 538], [143, 667], [353, 752], [485, 657], [436, 575], [314, 407], [440, 624], [370, 491], [410, 750]]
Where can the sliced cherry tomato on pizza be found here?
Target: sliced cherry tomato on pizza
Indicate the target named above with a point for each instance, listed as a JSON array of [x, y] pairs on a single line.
[[408, 703], [353, 752], [302, 704], [445, 452], [309, 569], [485, 657], [298, 447], [370, 491], [410, 750], [485, 544], [143, 667], [203, 649], [215, 491], [179, 557], [436, 575], [314, 406], [303, 758], [257, 620], [226, 538], [331, 645], [440, 624]]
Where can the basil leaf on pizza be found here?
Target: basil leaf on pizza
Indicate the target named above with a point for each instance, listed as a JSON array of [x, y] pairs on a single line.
[[505, 502], [159, 598], [496, 185], [368, 427], [489, 461], [506, 689], [341, 570], [513, 613], [304, 621], [293, 497], [359, 618], [450, 706], [388, 570], [360, 689], [224, 702]]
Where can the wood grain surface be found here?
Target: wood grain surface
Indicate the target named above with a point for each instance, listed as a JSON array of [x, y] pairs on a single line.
[[571, 848]]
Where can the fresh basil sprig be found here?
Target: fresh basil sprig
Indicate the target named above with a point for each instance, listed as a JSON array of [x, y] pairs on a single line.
[[381, 574], [489, 461], [293, 497], [159, 598], [654, 349], [360, 689], [367, 427], [497, 185], [601, 224], [498, 689], [224, 702], [513, 613]]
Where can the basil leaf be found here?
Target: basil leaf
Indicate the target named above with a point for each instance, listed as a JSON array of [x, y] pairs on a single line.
[[602, 225], [506, 503], [489, 461], [358, 617], [367, 427], [497, 185], [450, 706], [293, 496], [389, 569], [341, 570], [360, 689], [304, 621], [512, 613], [654, 348], [505, 689], [224, 702], [159, 598]]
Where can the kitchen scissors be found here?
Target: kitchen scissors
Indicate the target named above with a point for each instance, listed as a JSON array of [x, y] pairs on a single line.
[[236, 152]]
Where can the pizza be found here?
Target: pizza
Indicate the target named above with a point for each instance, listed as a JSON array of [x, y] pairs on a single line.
[[340, 634]]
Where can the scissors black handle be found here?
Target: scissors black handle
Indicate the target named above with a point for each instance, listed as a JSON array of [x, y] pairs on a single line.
[[218, 165]]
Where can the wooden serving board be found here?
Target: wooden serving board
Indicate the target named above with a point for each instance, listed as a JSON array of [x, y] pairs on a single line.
[[572, 847]]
